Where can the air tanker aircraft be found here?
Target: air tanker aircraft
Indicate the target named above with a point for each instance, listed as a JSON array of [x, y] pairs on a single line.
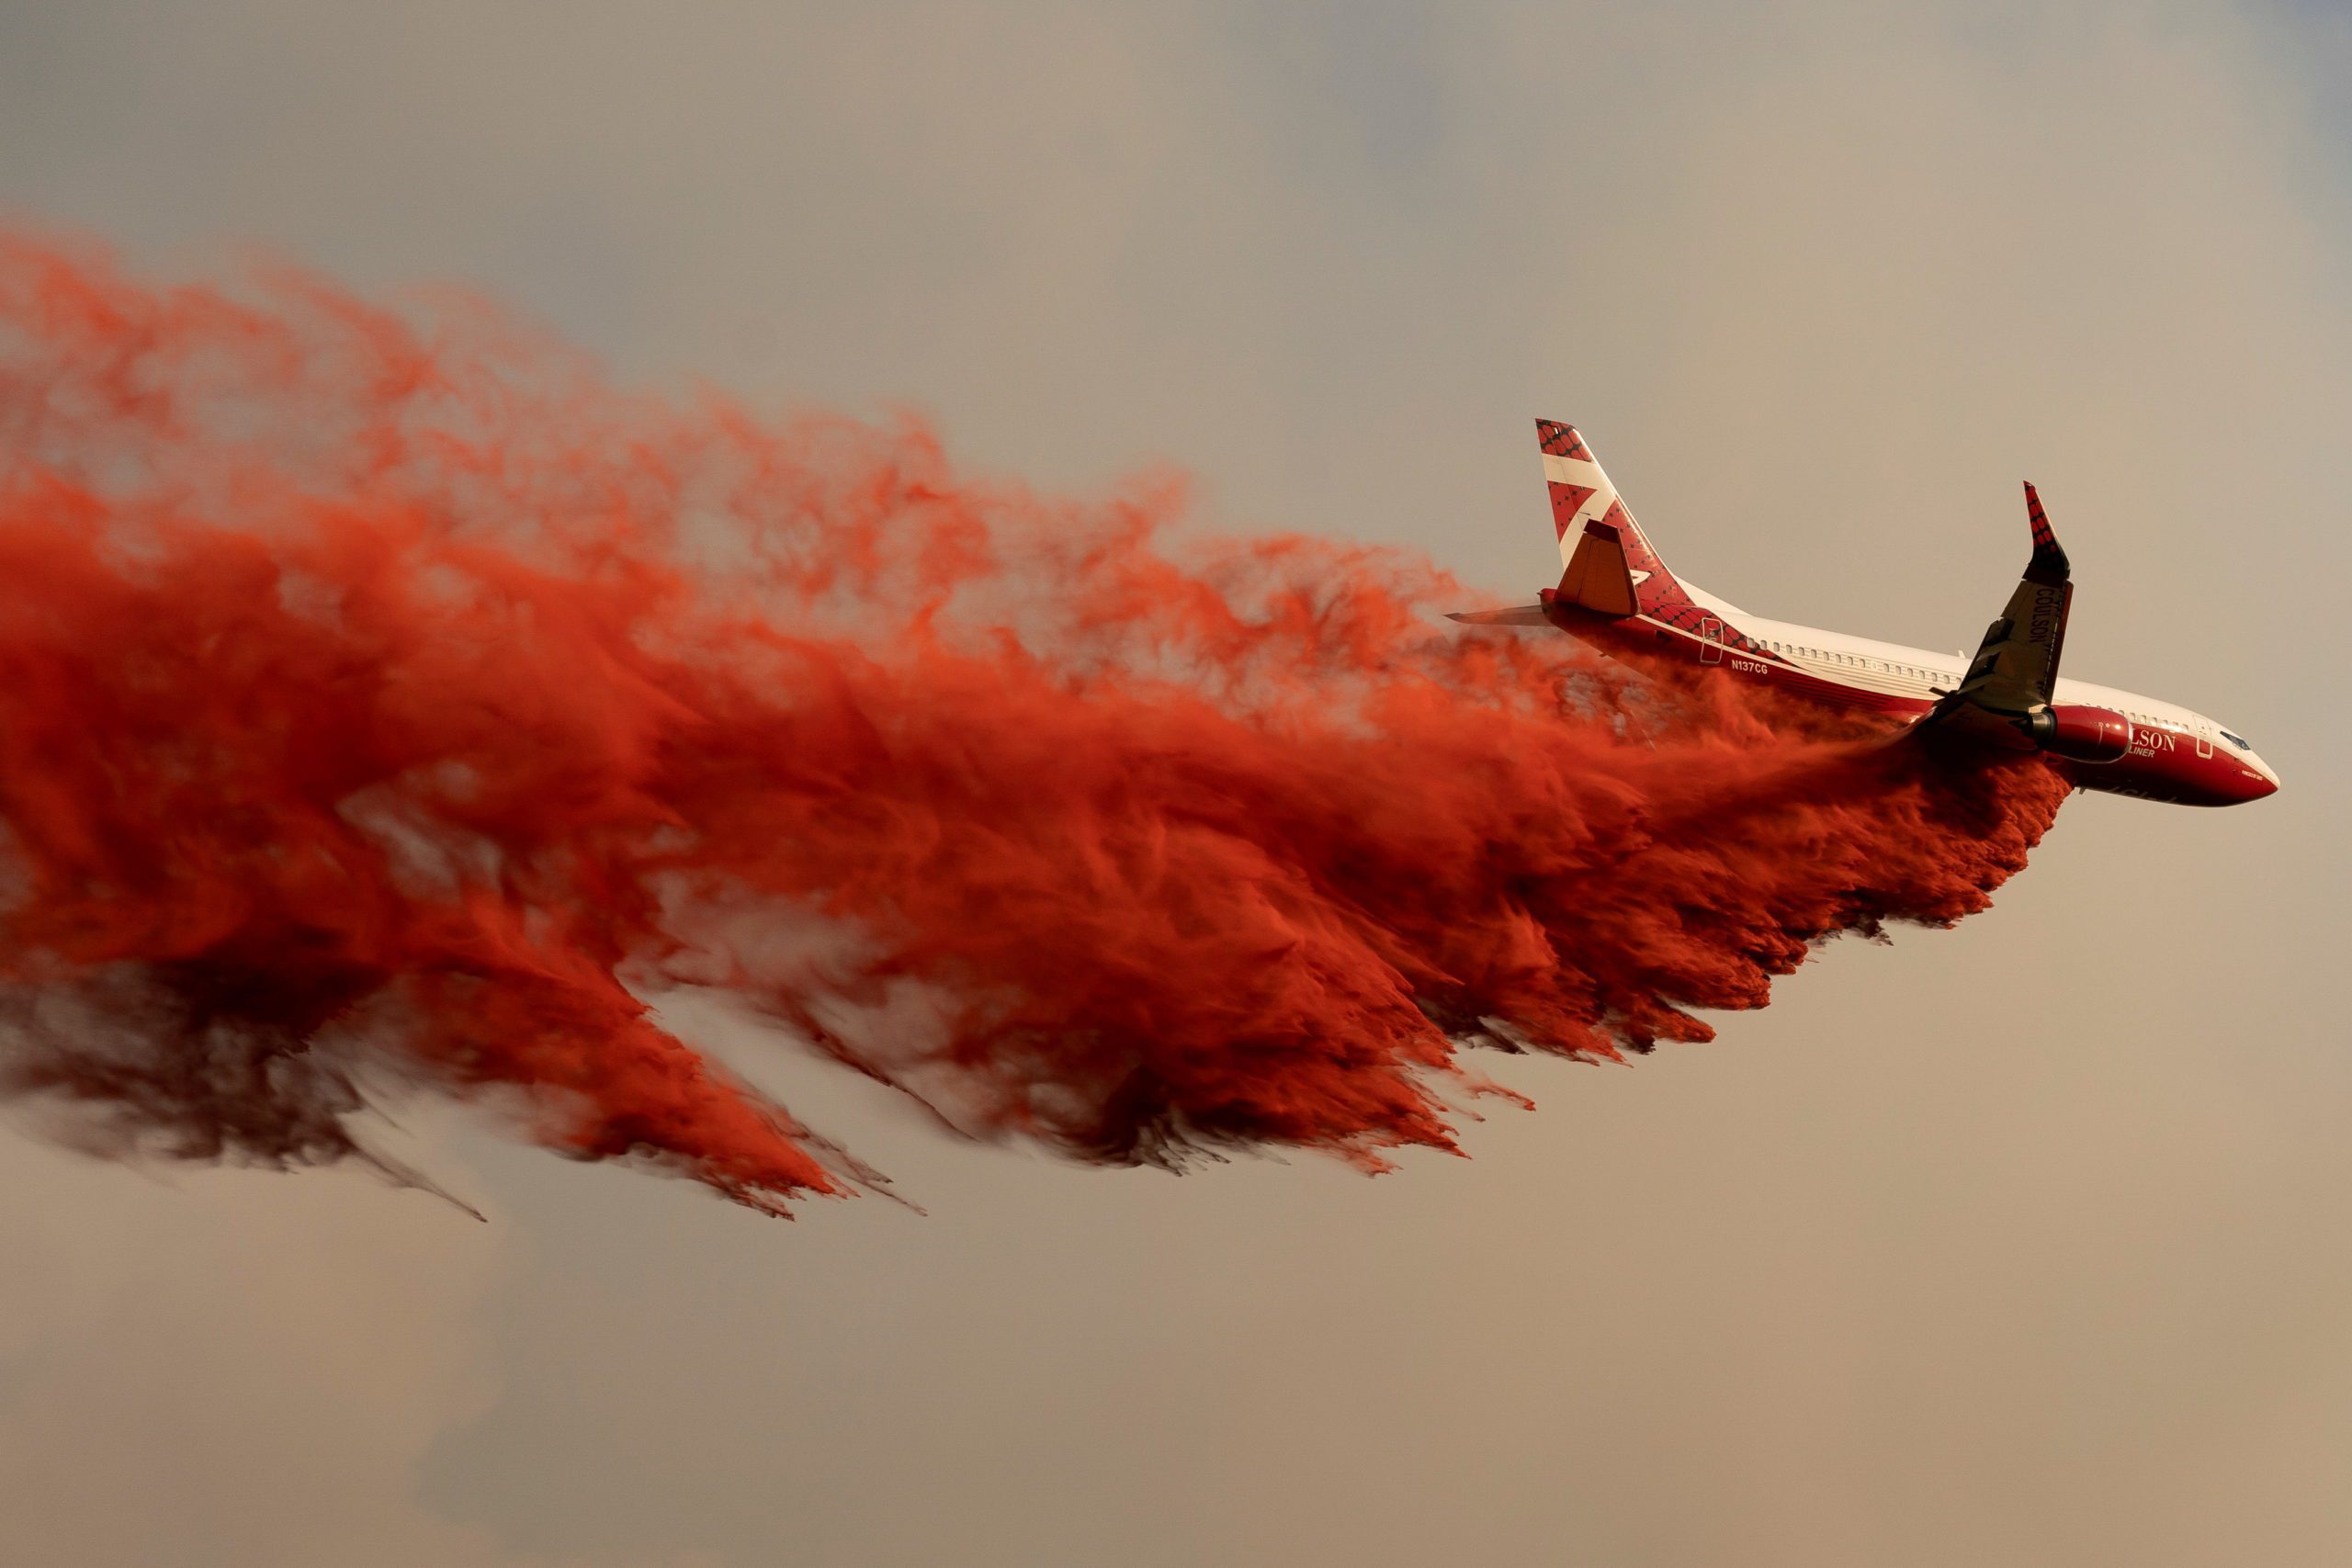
[[1616, 593]]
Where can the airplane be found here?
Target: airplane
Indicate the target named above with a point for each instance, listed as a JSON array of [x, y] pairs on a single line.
[[1616, 594]]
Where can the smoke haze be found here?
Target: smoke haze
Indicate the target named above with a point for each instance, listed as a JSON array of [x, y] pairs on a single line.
[[2021, 1242]]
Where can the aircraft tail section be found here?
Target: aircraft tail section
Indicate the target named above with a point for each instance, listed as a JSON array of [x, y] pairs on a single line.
[[1606, 561]]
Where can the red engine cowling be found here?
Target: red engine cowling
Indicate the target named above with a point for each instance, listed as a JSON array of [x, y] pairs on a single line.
[[2081, 734]]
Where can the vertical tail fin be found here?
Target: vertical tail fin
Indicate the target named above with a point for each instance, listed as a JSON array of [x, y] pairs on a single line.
[[1584, 502]]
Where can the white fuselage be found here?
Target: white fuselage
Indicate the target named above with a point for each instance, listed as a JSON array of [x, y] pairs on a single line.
[[1898, 676]]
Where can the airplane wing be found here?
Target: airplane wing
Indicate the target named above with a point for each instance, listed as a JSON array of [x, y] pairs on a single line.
[[2016, 668]]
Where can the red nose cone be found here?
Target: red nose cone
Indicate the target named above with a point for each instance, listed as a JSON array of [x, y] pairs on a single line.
[[2244, 784]]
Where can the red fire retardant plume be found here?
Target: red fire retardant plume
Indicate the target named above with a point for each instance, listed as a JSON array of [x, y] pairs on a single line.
[[389, 706]]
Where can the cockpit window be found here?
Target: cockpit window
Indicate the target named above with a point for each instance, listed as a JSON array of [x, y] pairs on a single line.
[[2235, 742]]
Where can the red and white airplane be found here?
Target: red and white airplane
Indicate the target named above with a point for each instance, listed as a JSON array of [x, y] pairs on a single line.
[[1616, 593]]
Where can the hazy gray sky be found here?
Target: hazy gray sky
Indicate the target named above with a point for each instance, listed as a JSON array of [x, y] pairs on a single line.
[[2024, 1243]]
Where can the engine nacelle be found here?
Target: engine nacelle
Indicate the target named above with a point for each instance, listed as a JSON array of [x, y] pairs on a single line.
[[2081, 734]]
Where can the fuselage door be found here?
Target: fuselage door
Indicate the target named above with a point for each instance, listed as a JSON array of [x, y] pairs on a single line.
[[1711, 647], [2204, 744]]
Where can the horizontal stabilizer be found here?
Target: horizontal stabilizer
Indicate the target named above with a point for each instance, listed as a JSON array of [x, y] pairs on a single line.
[[1596, 577], [1518, 616]]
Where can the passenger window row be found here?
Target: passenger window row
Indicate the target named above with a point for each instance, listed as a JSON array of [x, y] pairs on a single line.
[[1884, 666], [1917, 673]]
